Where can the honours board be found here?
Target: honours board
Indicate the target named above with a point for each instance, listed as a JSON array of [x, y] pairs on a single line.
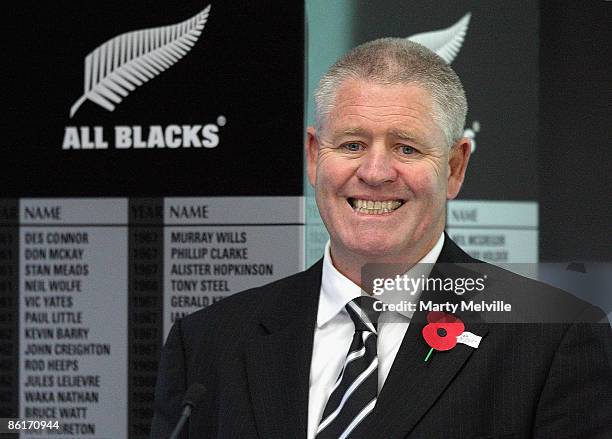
[[91, 287]]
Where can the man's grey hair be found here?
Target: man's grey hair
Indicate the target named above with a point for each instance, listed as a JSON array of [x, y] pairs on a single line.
[[392, 61]]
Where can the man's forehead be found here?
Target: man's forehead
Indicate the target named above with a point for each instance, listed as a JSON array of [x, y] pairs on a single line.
[[358, 101], [400, 93]]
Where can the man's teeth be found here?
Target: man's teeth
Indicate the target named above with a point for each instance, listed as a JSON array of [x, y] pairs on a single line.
[[375, 207]]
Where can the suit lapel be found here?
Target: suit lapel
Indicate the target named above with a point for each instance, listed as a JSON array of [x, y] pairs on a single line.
[[412, 385], [278, 358]]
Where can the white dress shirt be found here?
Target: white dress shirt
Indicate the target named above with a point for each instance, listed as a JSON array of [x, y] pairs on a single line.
[[334, 331]]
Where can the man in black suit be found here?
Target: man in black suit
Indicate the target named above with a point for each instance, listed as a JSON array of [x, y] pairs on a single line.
[[314, 356]]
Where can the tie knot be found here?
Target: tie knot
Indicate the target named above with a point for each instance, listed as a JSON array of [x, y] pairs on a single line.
[[363, 313]]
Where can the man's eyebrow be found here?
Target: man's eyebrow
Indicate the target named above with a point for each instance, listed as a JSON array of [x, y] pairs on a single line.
[[405, 135], [350, 132], [395, 132]]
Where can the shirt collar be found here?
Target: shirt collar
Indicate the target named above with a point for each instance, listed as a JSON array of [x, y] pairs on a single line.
[[337, 290]]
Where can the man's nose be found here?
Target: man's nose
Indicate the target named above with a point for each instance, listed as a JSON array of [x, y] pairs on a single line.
[[377, 166]]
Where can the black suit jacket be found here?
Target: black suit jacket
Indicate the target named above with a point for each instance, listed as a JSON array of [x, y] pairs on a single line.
[[252, 351]]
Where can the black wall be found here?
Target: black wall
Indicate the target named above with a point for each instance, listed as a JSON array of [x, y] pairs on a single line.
[[575, 166]]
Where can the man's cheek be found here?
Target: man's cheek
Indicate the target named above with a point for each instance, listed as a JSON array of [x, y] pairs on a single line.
[[334, 173], [424, 181]]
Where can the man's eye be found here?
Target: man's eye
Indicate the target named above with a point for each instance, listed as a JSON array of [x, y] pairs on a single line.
[[353, 146], [407, 150]]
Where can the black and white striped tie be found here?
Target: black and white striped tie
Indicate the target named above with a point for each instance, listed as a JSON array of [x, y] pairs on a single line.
[[353, 396]]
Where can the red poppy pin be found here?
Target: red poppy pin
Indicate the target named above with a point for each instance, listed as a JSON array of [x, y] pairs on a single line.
[[441, 331]]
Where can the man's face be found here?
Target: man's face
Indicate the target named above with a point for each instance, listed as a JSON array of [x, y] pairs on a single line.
[[382, 172]]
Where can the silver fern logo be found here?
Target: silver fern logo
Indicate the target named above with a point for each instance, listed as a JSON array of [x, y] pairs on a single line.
[[116, 68], [446, 43]]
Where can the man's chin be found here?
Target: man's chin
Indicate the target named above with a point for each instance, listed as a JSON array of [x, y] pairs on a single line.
[[372, 249]]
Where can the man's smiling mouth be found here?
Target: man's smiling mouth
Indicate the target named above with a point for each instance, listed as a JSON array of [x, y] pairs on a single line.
[[374, 207]]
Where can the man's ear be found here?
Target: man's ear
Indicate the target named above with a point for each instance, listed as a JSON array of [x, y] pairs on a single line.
[[457, 160], [312, 154]]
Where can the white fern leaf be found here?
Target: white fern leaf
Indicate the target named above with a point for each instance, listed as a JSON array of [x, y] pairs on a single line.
[[446, 42], [127, 61]]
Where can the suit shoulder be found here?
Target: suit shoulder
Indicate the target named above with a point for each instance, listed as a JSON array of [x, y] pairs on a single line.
[[245, 306]]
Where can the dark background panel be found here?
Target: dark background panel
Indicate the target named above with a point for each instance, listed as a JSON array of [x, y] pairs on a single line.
[[575, 163], [247, 66]]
